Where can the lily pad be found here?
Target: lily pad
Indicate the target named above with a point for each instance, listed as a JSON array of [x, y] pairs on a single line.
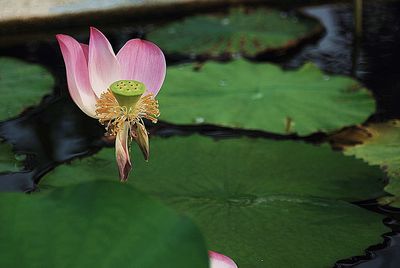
[[9, 162], [21, 85], [246, 31], [261, 96], [261, 202], [101, 224], [381, 147]]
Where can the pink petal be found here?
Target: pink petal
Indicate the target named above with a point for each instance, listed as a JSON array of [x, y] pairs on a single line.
[[77, 74], [143, 61], [104, 68], [220, 261], [85, 49], [122, 153]]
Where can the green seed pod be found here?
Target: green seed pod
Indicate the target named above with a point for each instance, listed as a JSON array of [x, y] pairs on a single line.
[[127, 92]]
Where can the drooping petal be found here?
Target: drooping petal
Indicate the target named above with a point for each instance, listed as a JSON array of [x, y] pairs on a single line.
[[77, 74], [122, 153], [142, 139], [103, 65], [143, 61], [220, 261]]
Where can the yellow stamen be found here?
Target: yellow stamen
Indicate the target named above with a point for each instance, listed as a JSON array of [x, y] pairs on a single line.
[[113, 116]]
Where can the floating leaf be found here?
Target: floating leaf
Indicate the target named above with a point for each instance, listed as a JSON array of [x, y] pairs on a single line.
[[381, 147], [9, 162], [263, 203], [259, 96], [21, 85], [99, 224], [249, 32]]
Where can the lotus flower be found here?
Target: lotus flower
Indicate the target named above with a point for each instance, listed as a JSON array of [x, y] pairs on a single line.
[[220, 261], [118, 90]]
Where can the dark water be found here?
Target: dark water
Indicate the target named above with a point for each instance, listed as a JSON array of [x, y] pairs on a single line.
[[56, 131], [374, 59]]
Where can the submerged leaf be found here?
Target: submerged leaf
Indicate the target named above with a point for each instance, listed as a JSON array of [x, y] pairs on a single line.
[[259, 202], [9, 162], [262, 96]]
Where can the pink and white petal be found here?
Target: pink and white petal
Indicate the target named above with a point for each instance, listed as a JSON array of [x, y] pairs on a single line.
[[85, 49], [122, 153], [77, 74], [143, 61], [103, 65], [220, 261]]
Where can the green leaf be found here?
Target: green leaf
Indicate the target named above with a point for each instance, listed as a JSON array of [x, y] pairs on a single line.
[[249, 32], [21, 85], [262, 96], [382, 148], [9, 162], [99, 224], [261, 202]]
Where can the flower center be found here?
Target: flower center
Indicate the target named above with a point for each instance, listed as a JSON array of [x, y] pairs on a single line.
[[125, 101], [127, 92]]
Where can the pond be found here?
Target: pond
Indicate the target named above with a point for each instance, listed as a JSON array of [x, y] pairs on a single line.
[[277, 144]]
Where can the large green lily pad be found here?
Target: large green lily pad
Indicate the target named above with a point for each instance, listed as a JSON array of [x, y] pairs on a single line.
[[98, 224], [245, 31], [261, 96], [261, 202], [21, 85], [8, 160], [381, 147]]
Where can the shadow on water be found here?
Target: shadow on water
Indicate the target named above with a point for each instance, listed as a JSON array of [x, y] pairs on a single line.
[[56, 131]]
